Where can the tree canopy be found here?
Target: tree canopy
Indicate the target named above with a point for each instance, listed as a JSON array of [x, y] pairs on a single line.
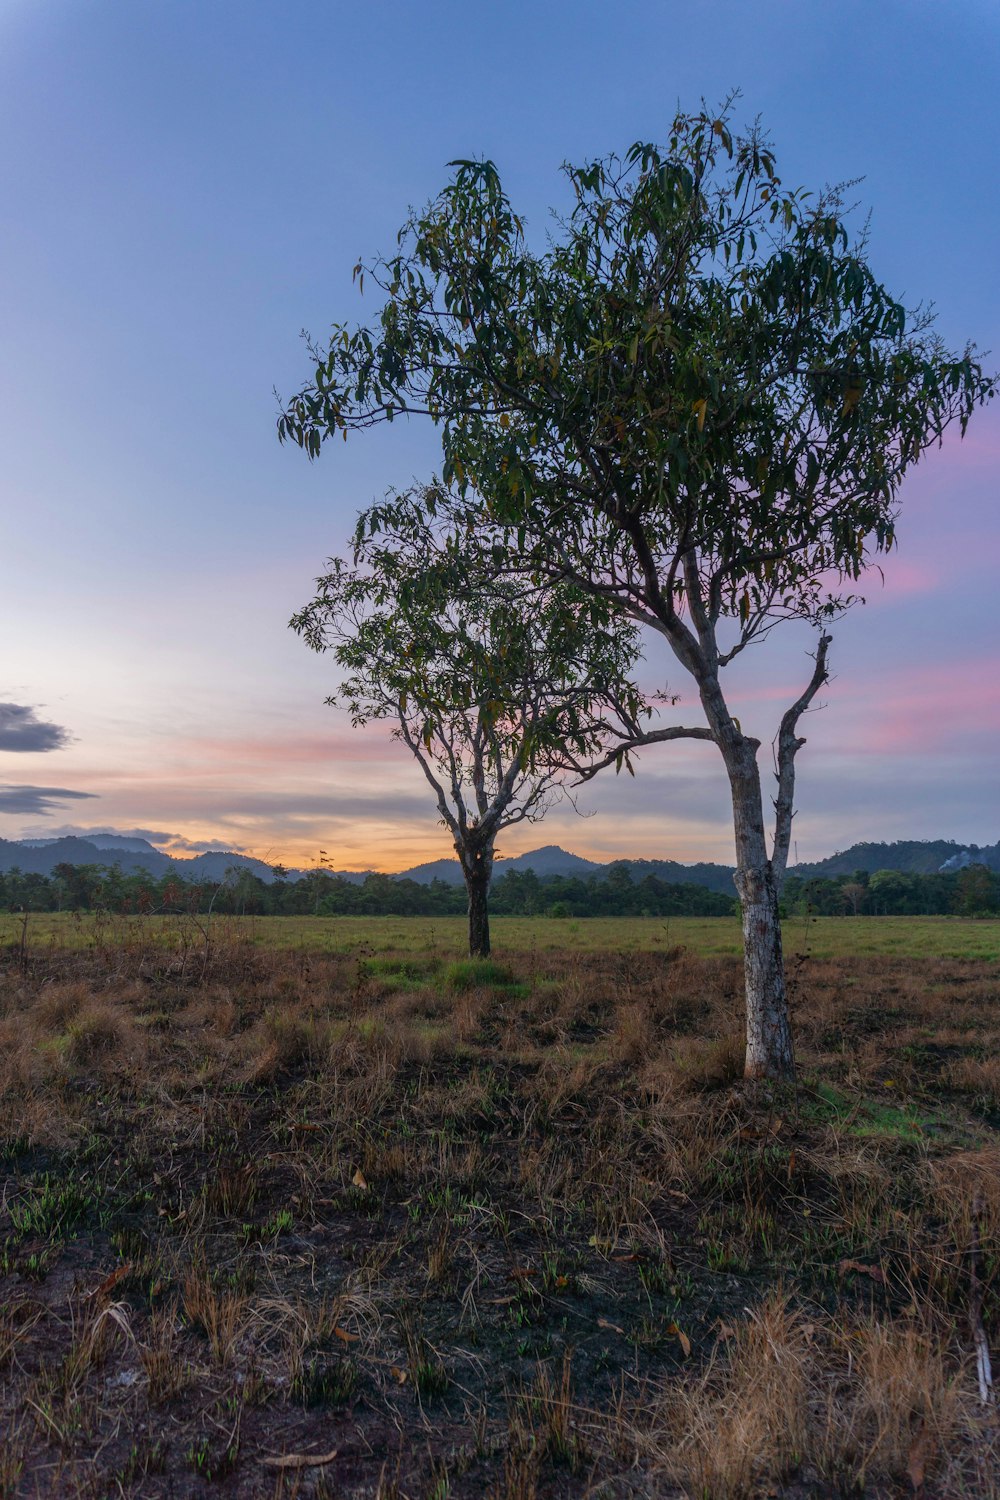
[[702, 359]]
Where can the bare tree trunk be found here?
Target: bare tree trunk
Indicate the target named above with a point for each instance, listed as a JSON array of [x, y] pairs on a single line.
[[479, 918], [769, 1035], [477, 867]]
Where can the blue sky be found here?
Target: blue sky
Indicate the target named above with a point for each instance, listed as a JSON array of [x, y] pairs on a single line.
[[185, 186]]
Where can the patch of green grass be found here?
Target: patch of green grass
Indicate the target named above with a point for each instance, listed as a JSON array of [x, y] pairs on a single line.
[[327, 1380], [397, 973], [869, 1118], [892, 1121], [430, 1378], [52, 1210], [443, 938], [478, 973]]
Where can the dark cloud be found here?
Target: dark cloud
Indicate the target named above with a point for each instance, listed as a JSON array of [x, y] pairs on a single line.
[[204, 846], [39, 801], [172, 843], [22, 729], [82, 831]]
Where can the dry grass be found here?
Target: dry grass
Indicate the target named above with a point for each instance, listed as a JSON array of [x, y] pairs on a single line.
[[791, 1399], [522, 1231]]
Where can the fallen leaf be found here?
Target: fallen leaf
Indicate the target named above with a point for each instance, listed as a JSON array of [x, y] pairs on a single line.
[[399, 1375], [875, 1272], [726, 1331], [358, 1181], [345, 1337], [622, 1260], [112, 1280], [603, 1323], [680, 1336], [300, 1460]]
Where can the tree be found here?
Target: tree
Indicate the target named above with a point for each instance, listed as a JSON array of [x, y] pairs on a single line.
[[243, 889], [499, 691], [894, 892], [975, 891], [79, 883], [853, 894], [697, 404]]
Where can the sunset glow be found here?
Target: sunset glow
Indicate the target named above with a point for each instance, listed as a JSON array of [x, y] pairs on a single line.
[[187, 187]]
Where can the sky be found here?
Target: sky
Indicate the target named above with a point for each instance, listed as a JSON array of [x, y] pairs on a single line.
[[185, 186]]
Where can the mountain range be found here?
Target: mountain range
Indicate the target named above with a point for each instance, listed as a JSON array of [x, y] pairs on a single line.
[[40, 856]]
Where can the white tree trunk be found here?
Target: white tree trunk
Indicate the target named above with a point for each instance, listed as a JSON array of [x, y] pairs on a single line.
[[769, 1036]]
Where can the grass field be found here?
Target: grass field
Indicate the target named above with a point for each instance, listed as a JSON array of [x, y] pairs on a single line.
[[447, 937], [320, 1209]]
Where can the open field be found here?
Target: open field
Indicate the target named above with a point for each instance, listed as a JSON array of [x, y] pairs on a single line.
[[447, 937], [323, 1192]]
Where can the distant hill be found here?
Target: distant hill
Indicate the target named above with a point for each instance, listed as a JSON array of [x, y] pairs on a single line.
[[116, 842], [40, 856], [549, 860], [37, 858], [911, 856], [715, 877]]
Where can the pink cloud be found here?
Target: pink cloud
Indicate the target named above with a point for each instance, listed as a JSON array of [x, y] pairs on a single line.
[[903, 577], [929, 709], [279, 751]]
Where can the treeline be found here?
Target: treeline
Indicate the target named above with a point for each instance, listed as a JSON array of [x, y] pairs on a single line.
[[972, 892], [517, 893]]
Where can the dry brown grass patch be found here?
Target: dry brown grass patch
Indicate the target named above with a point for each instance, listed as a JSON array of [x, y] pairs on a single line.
[[220, 1315], [742, 1419], [710, 1064], [167, 1372], [979, 1077], [792, 1396]]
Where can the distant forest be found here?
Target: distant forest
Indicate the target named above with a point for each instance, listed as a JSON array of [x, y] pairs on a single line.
[[973, 891]]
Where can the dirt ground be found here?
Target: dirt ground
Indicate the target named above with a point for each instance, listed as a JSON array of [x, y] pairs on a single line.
[[389, 1225]]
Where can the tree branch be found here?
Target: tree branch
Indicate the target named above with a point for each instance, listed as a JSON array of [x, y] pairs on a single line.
[[786, 747], [654, 737]]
